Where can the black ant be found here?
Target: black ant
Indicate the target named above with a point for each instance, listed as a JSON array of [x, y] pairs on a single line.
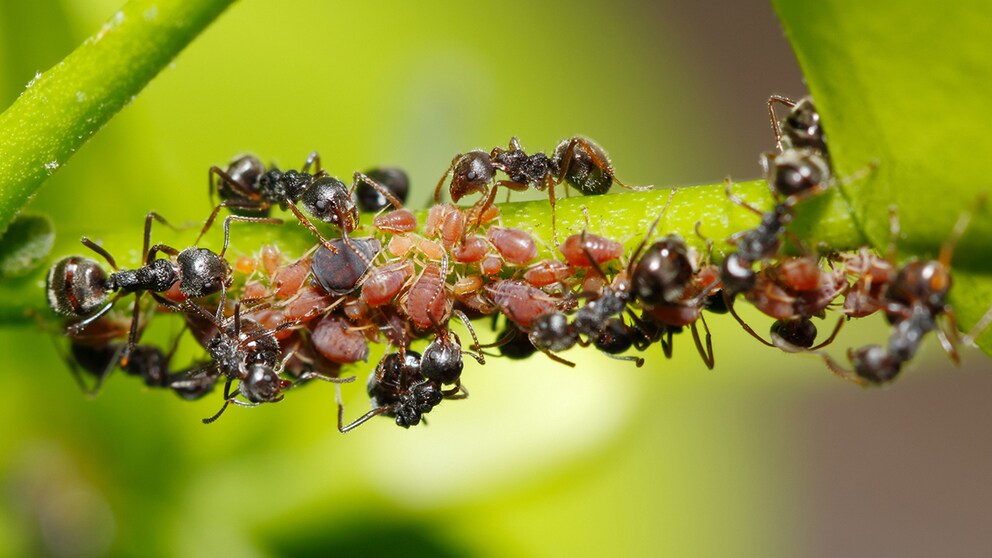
[[914, 301], [245, 351], [393, 179], [248, 185], [801, 128], [442, 361], [78, 287], [397, 389], [578, 161]]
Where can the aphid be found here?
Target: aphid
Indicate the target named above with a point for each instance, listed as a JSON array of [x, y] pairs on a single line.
[[337, 342], [397, 221], [385, 282], [393, 179], [472, 250], [548, 272], [427, 303], [519, 301], [340, 268], [324, 197], [580, 250], [515, 245]]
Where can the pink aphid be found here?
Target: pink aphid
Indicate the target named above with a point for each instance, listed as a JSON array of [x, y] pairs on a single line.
[[427, 303], [547, 272], [519, 301], [602, 249], [385, 282], [515, 245], [472, 250], [337, 342], [396, 221]]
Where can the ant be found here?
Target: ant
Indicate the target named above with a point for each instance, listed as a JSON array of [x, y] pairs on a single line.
[[245, 351], [913, 302], [578, 161], [397, 389], [248, 185], [442, 361], [393, 179], [801, 129], [78, 287]]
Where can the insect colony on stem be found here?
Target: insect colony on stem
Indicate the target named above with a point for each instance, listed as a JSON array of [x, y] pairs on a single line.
[[400, 282]]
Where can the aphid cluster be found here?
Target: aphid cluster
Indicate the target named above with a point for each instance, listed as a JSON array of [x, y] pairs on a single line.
[[399, 282]]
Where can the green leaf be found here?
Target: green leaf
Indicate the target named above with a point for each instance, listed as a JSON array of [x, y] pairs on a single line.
[[907, 83], [62, 108], [25, 246]]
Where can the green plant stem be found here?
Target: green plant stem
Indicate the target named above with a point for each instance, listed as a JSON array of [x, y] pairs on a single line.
[[823, 222], [63, 107]]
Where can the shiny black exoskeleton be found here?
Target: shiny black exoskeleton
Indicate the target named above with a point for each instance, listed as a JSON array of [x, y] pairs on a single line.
[[393, 179], [397, 389], [801, 128], [663, 273], [341, 268], [552, 332], [322, 196]]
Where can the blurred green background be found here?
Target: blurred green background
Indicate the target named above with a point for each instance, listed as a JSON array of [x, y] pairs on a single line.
[[768, 455]]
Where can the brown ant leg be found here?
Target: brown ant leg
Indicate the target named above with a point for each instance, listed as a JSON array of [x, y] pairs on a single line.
[[602, 163], [360, 177], [243, 204], [833, 335], [148, 232], [468, 325], [312, 159], [455, 393], [242, 219], [771, 115], [707, 354], [840, 371], [554, 222], [76, 328], [730, 306], [308, 224], [728, 186], [100, 250], [360, 420], [440, 183], [558, 359], [667, 344], [227, 401], [638, 361]]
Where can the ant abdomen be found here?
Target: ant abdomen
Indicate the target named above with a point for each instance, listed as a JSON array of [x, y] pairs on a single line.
[[76, 286]]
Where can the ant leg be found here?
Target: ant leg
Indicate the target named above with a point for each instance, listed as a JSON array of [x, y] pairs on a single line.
[[603, 163], [228, 396], [133, 333], [164, 248], [312, 159], [557, 358], [455, 393], [707, 353], [308, 224], [979, 328], [554, 220], [243, 204], [948, 346], [100, 250], [360, 420], [231, 183], [730, 306], [840, 371], [75, 329], [638, 361], [227, 226], [947, 250], [314, 375], [667, 346], [654, 225], [148, 232], [728, 185], [361, 177], [440, 183], [468, 325], [771, 115], [833, 335]]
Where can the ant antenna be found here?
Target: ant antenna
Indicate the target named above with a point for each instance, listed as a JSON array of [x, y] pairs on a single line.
[[478, 356], [771, 115]]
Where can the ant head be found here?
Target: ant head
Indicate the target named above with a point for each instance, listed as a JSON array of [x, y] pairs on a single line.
[[392, 378], [442, 360], [263, 384], [802, 127], [662, 274], [329, 200], [614, 337], [922, 282], [472, 173], [393, 179], [797, 173], [202, 272], [76, 286], [586, 168], [552, 332], [515, 344], [800, 332], [874, 364]]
